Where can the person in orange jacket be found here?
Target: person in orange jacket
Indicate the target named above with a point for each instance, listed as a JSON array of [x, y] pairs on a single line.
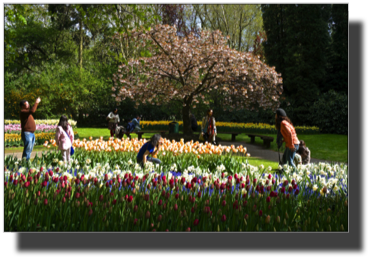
[[285, 127]]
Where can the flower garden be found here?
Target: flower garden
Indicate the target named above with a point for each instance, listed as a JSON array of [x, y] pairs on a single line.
[[45, 131], [260, 128], [198, 187]]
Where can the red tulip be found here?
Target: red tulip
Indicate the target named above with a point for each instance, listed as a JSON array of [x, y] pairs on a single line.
[[224, 218], [77, 195], [135, 208], [297, 191], [147, 214], [63, 200], [175, 207], [45, 202], [223, 203], [101, 198], [290, 189], [160, 202], [268, 199], [135, 221], [260, 213], [176, 196], [196, 222], [269, 176], [51, 173], [114, 201]]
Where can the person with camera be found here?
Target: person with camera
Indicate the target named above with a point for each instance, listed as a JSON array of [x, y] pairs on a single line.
[[28, 126]]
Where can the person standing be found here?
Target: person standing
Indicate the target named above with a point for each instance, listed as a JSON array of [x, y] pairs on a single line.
[[287, 131], [28, 126], [64, 138], [136, 122], [209, 127], [113, 120], [148, 150]]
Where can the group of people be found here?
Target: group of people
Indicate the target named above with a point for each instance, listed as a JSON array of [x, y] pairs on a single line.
[[113, 125], [295, 153]]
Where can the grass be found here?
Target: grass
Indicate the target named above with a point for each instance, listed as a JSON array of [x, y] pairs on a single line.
[[329, 147]]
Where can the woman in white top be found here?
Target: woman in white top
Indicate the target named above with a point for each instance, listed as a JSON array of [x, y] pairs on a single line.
[[113, 120]]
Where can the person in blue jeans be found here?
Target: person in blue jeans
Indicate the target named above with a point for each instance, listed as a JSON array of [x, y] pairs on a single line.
[[28, 126], [149, 149], [136, 123]]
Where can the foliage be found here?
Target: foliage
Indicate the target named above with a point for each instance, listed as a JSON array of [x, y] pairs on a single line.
[[242, 23], [206, 63], [298, 38], [330, 113]]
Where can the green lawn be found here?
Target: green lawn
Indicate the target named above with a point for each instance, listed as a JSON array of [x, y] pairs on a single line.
[[329, 147]]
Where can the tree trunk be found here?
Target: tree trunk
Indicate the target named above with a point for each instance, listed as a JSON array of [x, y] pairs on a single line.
[[186, 117], [80, 54]]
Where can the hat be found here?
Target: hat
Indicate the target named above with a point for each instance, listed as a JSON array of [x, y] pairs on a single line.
[[281, 112]]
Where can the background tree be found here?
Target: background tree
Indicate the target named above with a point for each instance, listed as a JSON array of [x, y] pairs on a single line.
[[298, 38], [186, 68]]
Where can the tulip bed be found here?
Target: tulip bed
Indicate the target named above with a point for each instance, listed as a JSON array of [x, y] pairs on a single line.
[[108, 191], [230, 127], [15, 140]]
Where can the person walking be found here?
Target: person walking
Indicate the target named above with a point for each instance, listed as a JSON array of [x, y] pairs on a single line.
[[136, 123], [28, 126], [286, 129], [209, 127], [64, 138], [113, 120], [149, 148]]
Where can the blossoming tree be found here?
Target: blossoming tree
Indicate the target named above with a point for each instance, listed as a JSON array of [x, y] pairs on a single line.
[[187, 68]]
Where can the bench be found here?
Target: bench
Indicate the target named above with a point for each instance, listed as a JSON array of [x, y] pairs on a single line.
[[267, 139], [233, 135], [140, 133]]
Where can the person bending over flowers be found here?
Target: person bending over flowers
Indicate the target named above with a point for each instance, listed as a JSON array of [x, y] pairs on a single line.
[[149, 150]]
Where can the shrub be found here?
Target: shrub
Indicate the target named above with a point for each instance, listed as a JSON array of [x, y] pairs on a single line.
[[330, 113]]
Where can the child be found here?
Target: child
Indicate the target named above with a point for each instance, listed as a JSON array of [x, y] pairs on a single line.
[[64, 137], [149, 148], [304, 152]]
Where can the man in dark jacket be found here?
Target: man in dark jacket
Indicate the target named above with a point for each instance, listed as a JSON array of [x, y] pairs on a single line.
[[28, 126]]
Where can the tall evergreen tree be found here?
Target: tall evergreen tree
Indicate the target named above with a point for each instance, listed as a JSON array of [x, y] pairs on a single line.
[[297, 42], [339, 72]]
